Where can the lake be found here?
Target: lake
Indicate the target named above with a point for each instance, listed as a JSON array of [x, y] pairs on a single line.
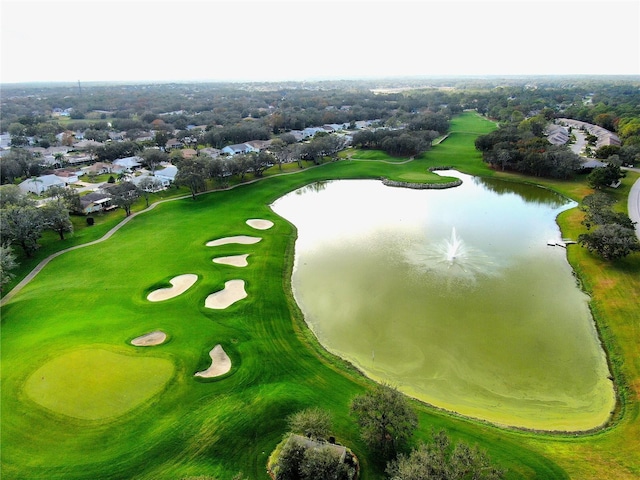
[[453, 296]]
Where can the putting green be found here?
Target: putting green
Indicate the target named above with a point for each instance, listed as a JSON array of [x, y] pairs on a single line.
[[96, 384]]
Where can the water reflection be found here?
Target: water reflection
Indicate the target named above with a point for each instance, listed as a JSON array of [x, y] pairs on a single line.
[[529, 193], [452, 295]]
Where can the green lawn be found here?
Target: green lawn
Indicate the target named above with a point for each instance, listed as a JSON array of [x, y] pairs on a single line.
[[91, 302]]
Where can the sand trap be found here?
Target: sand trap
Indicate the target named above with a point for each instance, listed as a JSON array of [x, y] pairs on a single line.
[[181, 284], [233, 260], [233, 291], [259, 224], [150, 339], [220, 363], [243, 239]]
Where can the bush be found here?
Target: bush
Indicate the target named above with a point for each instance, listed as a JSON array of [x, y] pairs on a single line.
[[90, 221]]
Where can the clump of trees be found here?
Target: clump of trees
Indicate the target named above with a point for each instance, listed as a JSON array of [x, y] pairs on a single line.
[[611, 234], [387, 423], [606, 176], [22, 222], [522, 147], [304, 454], [439, 459], [415, 139]]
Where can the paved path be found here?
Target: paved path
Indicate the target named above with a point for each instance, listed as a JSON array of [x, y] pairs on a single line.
[[633, 203]]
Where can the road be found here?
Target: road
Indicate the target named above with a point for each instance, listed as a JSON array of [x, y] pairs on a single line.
[[633, 203]]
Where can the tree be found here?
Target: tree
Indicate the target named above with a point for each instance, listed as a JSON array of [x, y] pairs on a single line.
[[611, 241], [56, 217], [22, 225], [7, 263], [12, 195], [69, 197], [259, 162], [322, 464], [597, 208], [153, 157], [124, 195], [312, 422], [605, 177], [147, 185], [240, 164], [160, 139], [300, 459], [193, 173], [438, 461], [386, 419], [289, 461]]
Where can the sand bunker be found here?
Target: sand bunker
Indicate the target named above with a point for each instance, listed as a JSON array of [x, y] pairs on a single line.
[[181, 284], [259, 224], [243, 239], [150, 339], [233, 260], [233, 291], [220, 363]]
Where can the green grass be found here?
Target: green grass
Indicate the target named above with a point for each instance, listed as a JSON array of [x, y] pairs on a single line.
[[94, 299], [96, 384]]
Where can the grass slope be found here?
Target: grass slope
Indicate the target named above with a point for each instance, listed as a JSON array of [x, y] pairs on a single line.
[[95, 298]]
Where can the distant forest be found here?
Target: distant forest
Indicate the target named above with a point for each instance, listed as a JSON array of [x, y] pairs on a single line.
[[230, 113]]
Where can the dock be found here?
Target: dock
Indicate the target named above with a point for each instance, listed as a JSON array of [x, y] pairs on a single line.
[[560, 243]]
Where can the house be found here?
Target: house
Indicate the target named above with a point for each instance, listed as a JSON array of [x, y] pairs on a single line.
[[96, 202], [311, 131], [173, 143], [157, 185], [97, 168], [259, 145], [608, 139], [167, 175], [557, 134], [86, 144], [128, 164], [239, 148], [212, 152], [39, 185], [188, 152], [68, 175]]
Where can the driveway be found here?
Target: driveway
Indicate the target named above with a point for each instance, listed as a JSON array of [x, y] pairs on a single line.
[[580, 143]]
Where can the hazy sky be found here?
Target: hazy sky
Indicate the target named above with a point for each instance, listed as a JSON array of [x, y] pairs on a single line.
[[153, 40]]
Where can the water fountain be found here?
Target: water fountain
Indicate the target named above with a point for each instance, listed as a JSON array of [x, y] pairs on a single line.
[[451, 258], [455, 247]]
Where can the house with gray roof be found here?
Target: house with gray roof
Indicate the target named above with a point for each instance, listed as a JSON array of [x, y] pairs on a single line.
[[128, 164], [96, 202], [39, 185], [239, 148]]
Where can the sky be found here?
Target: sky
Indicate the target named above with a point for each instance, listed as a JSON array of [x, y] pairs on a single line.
[[260, 40]]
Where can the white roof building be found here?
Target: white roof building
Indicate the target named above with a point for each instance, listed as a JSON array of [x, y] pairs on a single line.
[[39, 185]]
